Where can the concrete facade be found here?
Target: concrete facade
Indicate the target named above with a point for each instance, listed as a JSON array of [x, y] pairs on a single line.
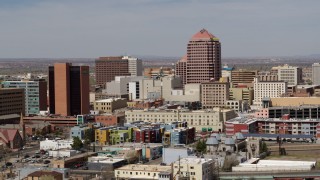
[[316, 73], [290, 74], [242, 94], [213, 118], [264, 89], [109, 105], [242, 76], [214, 94], [194, 168]]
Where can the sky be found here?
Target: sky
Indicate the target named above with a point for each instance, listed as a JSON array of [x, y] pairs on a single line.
[[94, 28]]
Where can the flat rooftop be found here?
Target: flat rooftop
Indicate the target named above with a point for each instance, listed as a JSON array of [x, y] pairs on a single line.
[[104, 159], [109, 100], [193, 161], [147, 168]]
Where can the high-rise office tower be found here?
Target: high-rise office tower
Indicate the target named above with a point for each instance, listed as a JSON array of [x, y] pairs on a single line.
[[69, 89], [316, 73], [203, 60], [107, 68]]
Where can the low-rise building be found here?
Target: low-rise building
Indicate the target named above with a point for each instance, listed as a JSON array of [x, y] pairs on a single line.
[[110, 119], [104, 163], [11, 138], [38, 175], [62, 153], [78, 131], [135, 171], [109, 105], [193, 168], [172, 154], [55, 144], [210, 118]]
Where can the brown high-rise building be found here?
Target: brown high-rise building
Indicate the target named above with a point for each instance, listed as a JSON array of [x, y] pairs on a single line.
[[107, 68], [203, 60], [68, 89]]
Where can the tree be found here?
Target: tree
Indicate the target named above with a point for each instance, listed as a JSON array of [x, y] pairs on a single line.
[[229, 162], [201, 146], [263, 147], [77, 143], [88, 137]]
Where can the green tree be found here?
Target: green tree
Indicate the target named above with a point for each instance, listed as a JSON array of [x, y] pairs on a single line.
[[263, 147], [201, 146], [77, 143], [88, 137]]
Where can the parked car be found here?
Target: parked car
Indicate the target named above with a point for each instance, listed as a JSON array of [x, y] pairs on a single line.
[[46, 161], [8, 164]]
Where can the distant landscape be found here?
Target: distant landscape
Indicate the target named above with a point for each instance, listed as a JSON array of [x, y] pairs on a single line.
[[39, 65]]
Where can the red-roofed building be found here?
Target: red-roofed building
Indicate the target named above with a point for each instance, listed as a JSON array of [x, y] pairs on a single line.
[[12, 138], [203, 60]]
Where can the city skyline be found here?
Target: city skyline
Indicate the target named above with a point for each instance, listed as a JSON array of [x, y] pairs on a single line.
[[82, 29]]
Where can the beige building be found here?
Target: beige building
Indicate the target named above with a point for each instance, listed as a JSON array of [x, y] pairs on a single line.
[[242, 76], [213, 118], [170, 88], [244, 94], [109, 105], [295, 101], [12, 101], [290, 74], [138, 171], [214, 94], [193, 168]]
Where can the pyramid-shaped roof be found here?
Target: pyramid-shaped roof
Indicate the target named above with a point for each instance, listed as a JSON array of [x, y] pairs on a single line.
[[203, 34]]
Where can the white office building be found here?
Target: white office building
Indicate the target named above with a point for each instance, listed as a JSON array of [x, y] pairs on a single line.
[[290, 74], [135, 65], [264, 89]]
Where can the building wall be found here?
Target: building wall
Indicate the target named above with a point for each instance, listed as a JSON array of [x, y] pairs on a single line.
[[214, 94], [244, 94], [108, 120], [107, 68], [268, 89], [194, 170], [12, 101], [102, 136], [135, 66], [294, 101], [199, 119], [290, 74], [108, 106], [242, 76], [316, 73], [62, 88]]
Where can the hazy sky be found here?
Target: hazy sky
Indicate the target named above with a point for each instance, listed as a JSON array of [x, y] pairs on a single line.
[[93, 28]]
